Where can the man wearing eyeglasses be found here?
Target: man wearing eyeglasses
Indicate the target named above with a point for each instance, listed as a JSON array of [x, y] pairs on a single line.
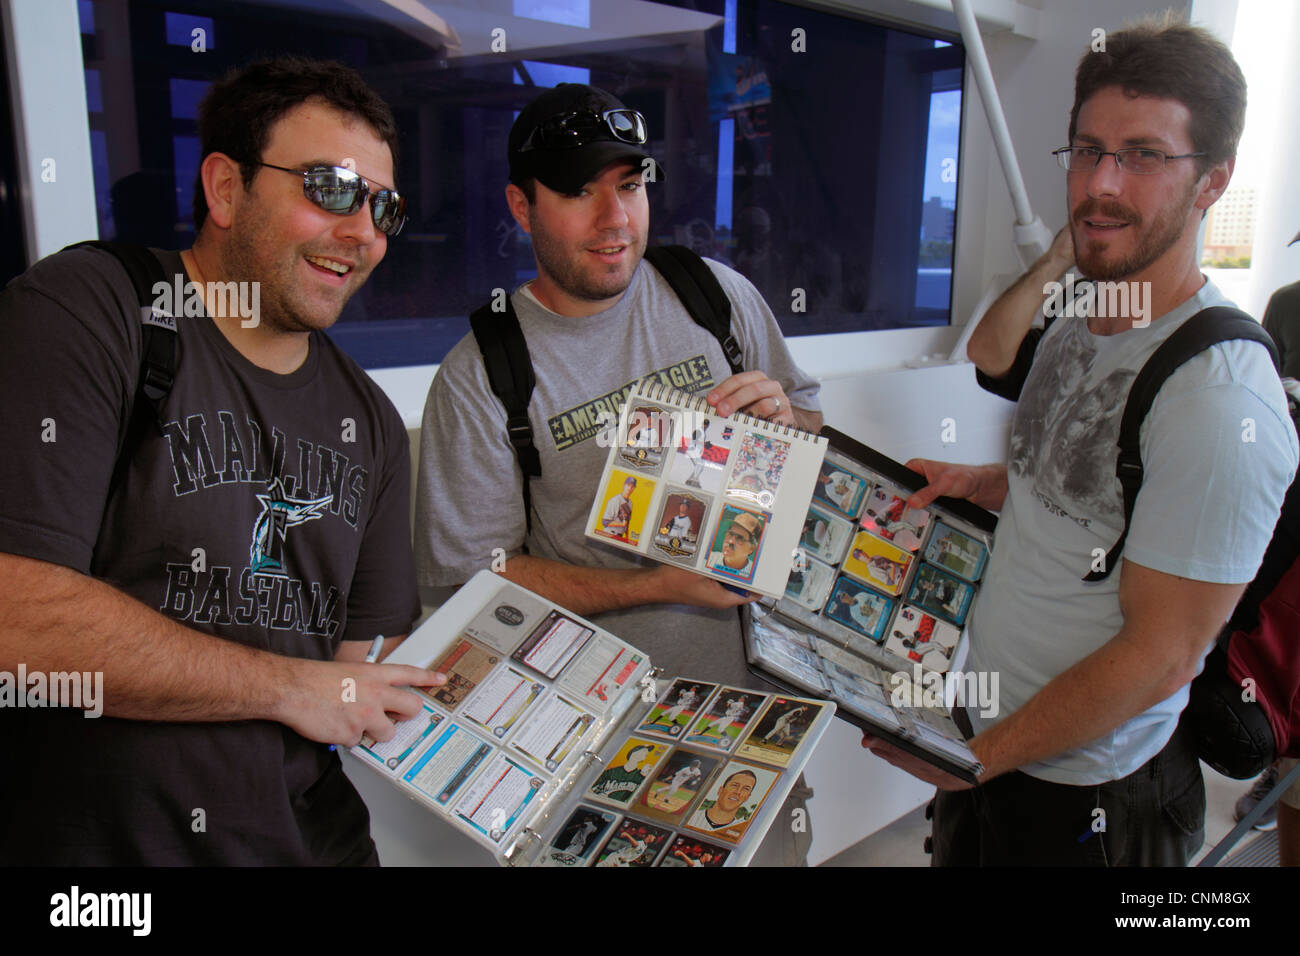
[[596, 319], [226, 581], [1084, 762]]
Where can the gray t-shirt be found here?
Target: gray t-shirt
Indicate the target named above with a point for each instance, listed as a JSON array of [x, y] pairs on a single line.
[[272, 511], [1219, 451], [469, 491]]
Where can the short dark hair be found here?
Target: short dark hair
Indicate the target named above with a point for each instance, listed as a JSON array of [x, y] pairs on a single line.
[[529, 188], [1165, 58], [239, 110]]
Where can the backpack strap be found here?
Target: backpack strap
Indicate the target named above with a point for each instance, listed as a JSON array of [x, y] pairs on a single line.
[[1206, 328], [510, 375], [701, 294]]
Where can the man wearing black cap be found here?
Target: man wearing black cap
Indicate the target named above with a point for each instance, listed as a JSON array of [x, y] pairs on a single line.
[[596, 320]]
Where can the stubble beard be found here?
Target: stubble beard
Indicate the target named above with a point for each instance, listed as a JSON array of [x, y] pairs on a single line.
[[1163, 233], [564, 269]]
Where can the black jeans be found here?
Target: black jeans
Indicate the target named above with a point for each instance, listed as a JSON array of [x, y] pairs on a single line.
[[1153, 817]]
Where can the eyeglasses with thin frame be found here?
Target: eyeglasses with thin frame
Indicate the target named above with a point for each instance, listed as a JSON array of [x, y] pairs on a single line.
[[342, 191], [580, 127], [1139, 160]]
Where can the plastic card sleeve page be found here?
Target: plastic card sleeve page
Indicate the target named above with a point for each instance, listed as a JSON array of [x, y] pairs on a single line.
[[875, 607], [529, 689], [693, 777], [723, 497]]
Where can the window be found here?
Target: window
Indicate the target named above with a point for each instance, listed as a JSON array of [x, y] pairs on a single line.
[[813, 151]]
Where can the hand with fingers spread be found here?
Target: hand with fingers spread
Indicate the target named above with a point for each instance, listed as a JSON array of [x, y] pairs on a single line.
[[983, 485]]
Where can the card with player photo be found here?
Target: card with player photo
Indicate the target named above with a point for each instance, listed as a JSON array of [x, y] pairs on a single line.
[[954, 551], [647, 437], [681, 523], [676, 709], [810, 584], [922, 638], [703, 450], [941, 593], [887, 516], [738, 542], [680, 779], [623, 512], [633, 844], [627, 770], [465, 663], [859, 608], [825, 536], [575, 843], [756, 471], [779, 730], [731, 803], [684, 851], [725, 720], [878, 563], [842, 486]]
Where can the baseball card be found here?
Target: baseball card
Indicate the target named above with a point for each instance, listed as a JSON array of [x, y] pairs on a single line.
[[681, 778], [555, 642], [922, 638], [859, 608], [825, 536], [501, 699], [726, 718], [677, 708], [680, 525], [496, 799], [575, 843], [779, 731], [956, 552], [599, 671], [626, 499], [756, 471], [738, 542], [633, 843], [809, 585], [627, 770], [450, 762], [684, 851], [702, 452], [731, 803], [878, 563], [553, 730], [842, 486], [506, 619], [647, 437], [410, 736], [941, 593], [887, 516], [465, 663]]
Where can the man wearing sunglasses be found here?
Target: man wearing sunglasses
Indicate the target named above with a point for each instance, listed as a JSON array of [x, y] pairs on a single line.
[[596, 319], [1085, 762], [226, 580]]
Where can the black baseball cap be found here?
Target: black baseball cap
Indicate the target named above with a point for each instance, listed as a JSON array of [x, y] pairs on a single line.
[[566, 170]]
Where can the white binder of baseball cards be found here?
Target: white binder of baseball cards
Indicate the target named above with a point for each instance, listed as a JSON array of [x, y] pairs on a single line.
[[551, 744], [723, 497], [873, 614]]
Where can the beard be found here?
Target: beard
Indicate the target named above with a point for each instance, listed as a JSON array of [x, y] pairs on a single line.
[[564, 265], [1153, 241]]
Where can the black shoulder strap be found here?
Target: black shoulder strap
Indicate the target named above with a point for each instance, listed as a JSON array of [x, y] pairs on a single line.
[[701, 294], [1206, 328], [510, 374]]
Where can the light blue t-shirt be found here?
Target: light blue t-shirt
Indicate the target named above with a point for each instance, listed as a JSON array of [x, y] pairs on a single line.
[[1219, 452]]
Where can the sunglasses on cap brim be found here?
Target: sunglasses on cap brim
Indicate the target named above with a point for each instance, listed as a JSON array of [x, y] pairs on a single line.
[[342, 191], [581, 127]]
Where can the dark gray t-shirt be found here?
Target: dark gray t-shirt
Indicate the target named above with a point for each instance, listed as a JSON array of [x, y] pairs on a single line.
[[469, 491], [274, 513]]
